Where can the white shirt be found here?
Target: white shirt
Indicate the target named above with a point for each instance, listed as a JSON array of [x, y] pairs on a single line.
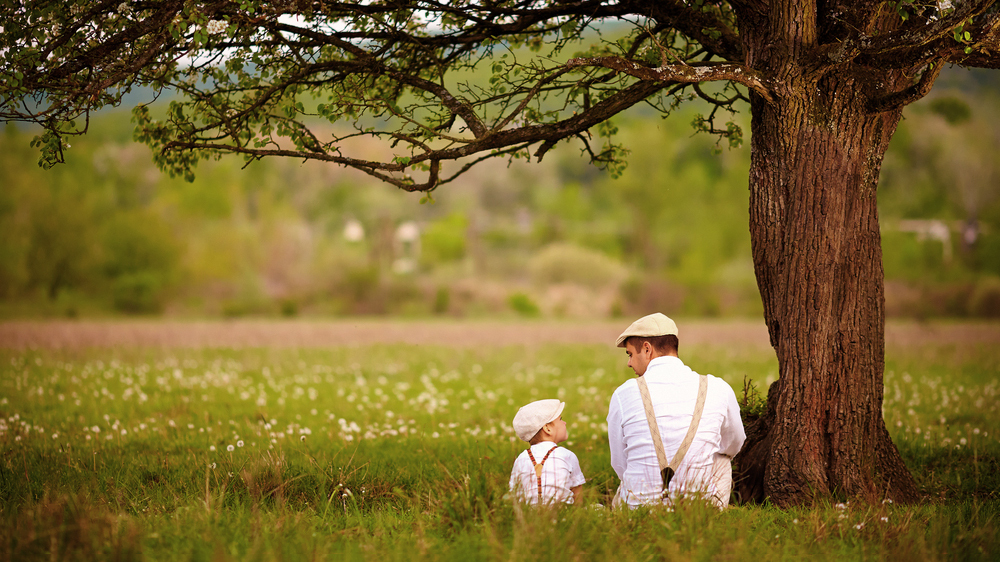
[[560, 472], [673, 388]]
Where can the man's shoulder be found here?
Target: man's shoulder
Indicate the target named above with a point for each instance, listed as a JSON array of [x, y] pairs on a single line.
[[628, 385], [719, 382]]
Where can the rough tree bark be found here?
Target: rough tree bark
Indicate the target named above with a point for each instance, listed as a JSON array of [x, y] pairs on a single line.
[[816, 152]]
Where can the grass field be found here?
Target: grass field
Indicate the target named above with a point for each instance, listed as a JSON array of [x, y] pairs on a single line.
[[379, 450]]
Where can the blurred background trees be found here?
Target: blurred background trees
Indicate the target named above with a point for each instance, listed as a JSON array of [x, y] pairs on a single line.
[[107, 233]]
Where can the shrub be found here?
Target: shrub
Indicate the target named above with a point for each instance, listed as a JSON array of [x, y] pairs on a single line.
[[138, 242], [361, 286], [640, 295], [523, 305], [444, 240], [138, 293], [568, 263], [289, 307], [442, 299], [985, 299]]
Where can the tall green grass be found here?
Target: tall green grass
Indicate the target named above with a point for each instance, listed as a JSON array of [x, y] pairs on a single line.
[[403, 452]]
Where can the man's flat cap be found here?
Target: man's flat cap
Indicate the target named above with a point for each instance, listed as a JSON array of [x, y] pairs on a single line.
[[655, 324]]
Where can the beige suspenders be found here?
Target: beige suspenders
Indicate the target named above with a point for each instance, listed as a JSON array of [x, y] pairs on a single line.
[[667, 470]]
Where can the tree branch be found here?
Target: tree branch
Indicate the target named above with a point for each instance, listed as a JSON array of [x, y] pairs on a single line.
[[682, 73], [908, 95], [498, 141], [455, 105], [914, 44], [985, 45], [698, 25]]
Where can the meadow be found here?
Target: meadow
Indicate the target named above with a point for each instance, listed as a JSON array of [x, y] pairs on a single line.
[[384, 451]]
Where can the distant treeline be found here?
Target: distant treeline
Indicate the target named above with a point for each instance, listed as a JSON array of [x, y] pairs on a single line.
[[107, 233]]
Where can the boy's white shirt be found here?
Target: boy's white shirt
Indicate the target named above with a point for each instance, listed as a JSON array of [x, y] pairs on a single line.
[[560, 473]]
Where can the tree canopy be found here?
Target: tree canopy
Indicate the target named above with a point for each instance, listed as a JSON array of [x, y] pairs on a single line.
[[264, 78]]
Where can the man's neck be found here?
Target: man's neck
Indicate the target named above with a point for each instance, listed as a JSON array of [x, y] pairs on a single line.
[[654, 358]]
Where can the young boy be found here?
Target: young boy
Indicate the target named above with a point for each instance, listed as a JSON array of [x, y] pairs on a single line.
[[546, 473]]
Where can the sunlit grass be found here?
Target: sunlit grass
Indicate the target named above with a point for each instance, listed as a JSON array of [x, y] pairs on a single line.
[[403, 452]]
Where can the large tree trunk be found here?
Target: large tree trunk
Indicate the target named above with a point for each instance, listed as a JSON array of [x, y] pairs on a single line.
[[817, 254]]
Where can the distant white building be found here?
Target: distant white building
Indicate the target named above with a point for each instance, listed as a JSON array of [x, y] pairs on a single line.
[[407, 248], [353, 231], [932, 229]]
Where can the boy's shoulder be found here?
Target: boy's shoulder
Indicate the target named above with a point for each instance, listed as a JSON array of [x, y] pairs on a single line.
[[557, 451], [570, 455], [564, 453]]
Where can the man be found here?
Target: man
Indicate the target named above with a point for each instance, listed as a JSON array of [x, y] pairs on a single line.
[[706, 468]]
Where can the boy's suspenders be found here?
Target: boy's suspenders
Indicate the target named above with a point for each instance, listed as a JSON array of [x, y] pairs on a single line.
[[667, 470], [538, 468]]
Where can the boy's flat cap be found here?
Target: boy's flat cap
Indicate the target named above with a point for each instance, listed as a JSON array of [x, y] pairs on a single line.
[[530, 418], [653, 325]]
